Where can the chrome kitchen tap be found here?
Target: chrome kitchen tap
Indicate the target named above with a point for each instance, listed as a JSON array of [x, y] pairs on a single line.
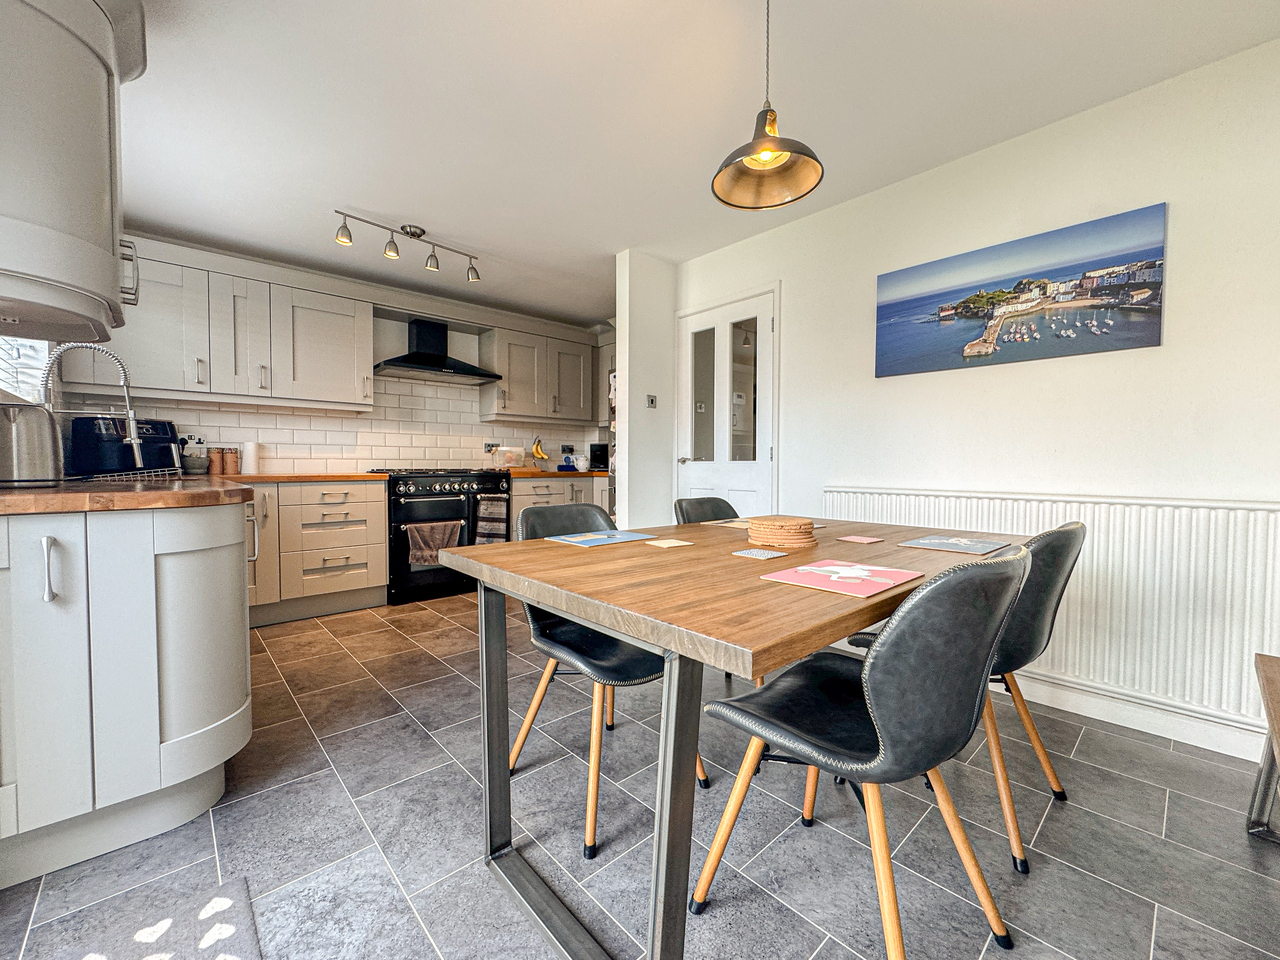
[[46, 381]]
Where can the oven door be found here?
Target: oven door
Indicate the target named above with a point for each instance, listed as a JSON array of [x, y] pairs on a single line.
[[407, 582]]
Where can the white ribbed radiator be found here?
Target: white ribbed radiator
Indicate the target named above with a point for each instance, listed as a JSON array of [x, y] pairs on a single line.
[[1168, 604]]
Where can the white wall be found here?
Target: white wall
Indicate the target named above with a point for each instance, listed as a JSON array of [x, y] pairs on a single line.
[[645, 324], [1193, 418]]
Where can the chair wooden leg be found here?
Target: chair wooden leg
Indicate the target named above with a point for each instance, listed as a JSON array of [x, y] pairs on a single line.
[[593, 769], [732, 808], [703, 780], [882, 859], [1029, 724], [968, 858], [810, 796], [1002, 786], [534, 706], [608, 708]]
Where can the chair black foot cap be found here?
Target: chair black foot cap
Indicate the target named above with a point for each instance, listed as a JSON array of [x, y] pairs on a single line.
[[608, 726], [511, 770], [806, 822], [1003, 940], [589, 851], [1060, 795], [695, 907], [704, 783], [1021, 865]]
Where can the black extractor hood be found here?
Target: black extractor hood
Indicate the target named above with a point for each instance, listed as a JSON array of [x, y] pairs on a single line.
[[428, 359]]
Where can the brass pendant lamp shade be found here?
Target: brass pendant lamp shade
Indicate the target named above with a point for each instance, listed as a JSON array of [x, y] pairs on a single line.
[[769, 171]]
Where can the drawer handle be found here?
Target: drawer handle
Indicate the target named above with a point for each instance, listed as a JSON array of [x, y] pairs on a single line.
[[50, 594], [343, 513], [539, 503], [335, 493], [327, 559]]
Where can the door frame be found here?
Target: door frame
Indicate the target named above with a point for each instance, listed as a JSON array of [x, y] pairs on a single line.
[[774, 292]]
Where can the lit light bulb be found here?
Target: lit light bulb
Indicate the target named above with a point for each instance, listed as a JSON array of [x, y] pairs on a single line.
[[391, 251], [433, 263], [343, 236], [766, 159]]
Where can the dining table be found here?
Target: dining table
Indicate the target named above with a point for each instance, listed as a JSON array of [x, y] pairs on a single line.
[[697, 605]]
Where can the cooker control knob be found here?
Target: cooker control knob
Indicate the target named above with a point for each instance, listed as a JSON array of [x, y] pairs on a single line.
[[503, 485], [400, 488], [457, 487], [435, 487], [412, 488], [474, 485]]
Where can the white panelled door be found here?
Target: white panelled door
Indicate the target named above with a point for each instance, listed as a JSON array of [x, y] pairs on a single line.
[[725, 405]]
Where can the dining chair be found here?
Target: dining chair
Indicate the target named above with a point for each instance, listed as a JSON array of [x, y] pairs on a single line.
[[1053, 558], [702, 509], [911, 704], [608, 662]]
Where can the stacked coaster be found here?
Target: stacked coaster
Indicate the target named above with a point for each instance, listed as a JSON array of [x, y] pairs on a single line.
[[785, 533]]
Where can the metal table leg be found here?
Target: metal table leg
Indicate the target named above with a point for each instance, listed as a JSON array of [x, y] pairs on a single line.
[[673, 823], [558, 925], [1261, 807]]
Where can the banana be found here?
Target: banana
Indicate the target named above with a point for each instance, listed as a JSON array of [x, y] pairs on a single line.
[[538, 452]]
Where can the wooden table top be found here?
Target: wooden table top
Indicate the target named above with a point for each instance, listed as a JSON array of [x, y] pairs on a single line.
[[703, 602], [1268, 669]]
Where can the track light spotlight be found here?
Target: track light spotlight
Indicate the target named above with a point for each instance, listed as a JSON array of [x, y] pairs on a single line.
[[343, 236], [472, 273], [433, 263], [391, 251]]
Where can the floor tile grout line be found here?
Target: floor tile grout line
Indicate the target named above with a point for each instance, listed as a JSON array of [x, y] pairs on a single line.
[[213, 835], [753, 858], [367, 723], [809, 920], [312, 873], [413, 776], [1040, 826], [1201, 923], [94, 903], [1155, 920], [824, 943], [1076, 746], [1164, 823], [257, 793], [604, 866], [908, 834], [34, 903]]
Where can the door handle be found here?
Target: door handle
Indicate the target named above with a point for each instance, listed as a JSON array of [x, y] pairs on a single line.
[[199, 379], [129, 253], [49, 594], [684, 460], [254, 521], [262, 376]]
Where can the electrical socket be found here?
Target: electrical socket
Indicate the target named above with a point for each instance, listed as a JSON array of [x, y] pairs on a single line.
[[191, 438], [490, 447], [566, 448]]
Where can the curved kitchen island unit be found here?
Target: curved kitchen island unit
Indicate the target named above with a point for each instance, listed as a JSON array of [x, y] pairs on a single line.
[[124, 663]]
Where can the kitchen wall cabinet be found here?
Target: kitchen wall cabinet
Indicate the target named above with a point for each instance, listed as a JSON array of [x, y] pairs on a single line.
[[606, 361], [146, 609], [165, 339], [263, 517], [321, 346], [543, 378], [239, 336]]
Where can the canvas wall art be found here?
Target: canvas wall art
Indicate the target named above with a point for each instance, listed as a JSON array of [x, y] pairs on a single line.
[[1086, 288]]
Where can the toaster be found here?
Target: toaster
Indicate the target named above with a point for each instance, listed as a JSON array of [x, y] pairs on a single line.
[[98, 445]]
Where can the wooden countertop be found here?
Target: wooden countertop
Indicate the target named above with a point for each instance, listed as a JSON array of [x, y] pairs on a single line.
[[81, 496], [533, 473], [301, 477], [703, 602]]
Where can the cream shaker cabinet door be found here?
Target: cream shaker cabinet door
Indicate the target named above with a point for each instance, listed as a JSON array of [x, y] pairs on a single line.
[[263, 544], [165, 338], [49, 641], [569, 383], [240, 335], [321, 346], [606, 361], [521, 360]]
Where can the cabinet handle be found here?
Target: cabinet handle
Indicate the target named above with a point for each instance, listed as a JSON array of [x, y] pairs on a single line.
[[343, 513], [368, 381], [199, 379], [538, 503], [504, 398], [47, 543], [254, 521], [262, 376], [327, 559], [554, 401], [129, 253], [335, 493]]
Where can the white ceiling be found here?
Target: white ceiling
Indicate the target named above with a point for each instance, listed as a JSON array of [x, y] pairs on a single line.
[[548, 136]]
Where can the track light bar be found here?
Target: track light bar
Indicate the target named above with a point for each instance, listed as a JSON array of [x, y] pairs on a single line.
[[409, 231]]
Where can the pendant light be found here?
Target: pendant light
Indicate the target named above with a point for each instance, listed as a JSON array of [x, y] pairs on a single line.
[[472, 273], [769, 171], [433, 262], [391, 251], [343, 236], [408, 231]]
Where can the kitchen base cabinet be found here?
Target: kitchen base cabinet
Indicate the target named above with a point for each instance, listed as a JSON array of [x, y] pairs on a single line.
[[262, 515], [333, 537], [124, 676]]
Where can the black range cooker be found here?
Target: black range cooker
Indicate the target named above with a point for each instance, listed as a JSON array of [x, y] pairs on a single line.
[[480, 499]]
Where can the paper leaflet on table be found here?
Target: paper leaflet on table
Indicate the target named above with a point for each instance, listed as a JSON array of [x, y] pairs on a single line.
[[956, 544], [670, 543], [841, 576], [600, 537], [852, 539]]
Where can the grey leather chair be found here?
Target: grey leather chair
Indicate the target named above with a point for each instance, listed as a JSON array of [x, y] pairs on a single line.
[[1053, 559], [911, 704], [607, 661], [701, 509]]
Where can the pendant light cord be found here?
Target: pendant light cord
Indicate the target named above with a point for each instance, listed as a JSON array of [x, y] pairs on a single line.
[[766, 53]]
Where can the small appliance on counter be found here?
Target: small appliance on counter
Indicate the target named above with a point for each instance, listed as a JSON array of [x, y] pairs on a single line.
[[100, 445], [599, 457], [30, 448]]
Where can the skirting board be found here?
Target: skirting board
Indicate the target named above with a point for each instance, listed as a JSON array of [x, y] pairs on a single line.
[[321, 605], [1114, 706]]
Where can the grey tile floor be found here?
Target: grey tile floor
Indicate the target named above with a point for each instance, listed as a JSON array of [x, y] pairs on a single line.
[[353, 814]]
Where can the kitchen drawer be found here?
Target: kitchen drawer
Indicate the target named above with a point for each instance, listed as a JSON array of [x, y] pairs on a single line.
[[307, 573], [540, 487], [331, 492], [520, 502], [318, 526]]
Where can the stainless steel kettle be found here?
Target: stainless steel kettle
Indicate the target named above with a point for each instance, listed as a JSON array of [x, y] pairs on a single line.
[[30, 444]]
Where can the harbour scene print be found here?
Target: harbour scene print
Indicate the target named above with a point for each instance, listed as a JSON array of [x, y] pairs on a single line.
[[1086, 288]]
